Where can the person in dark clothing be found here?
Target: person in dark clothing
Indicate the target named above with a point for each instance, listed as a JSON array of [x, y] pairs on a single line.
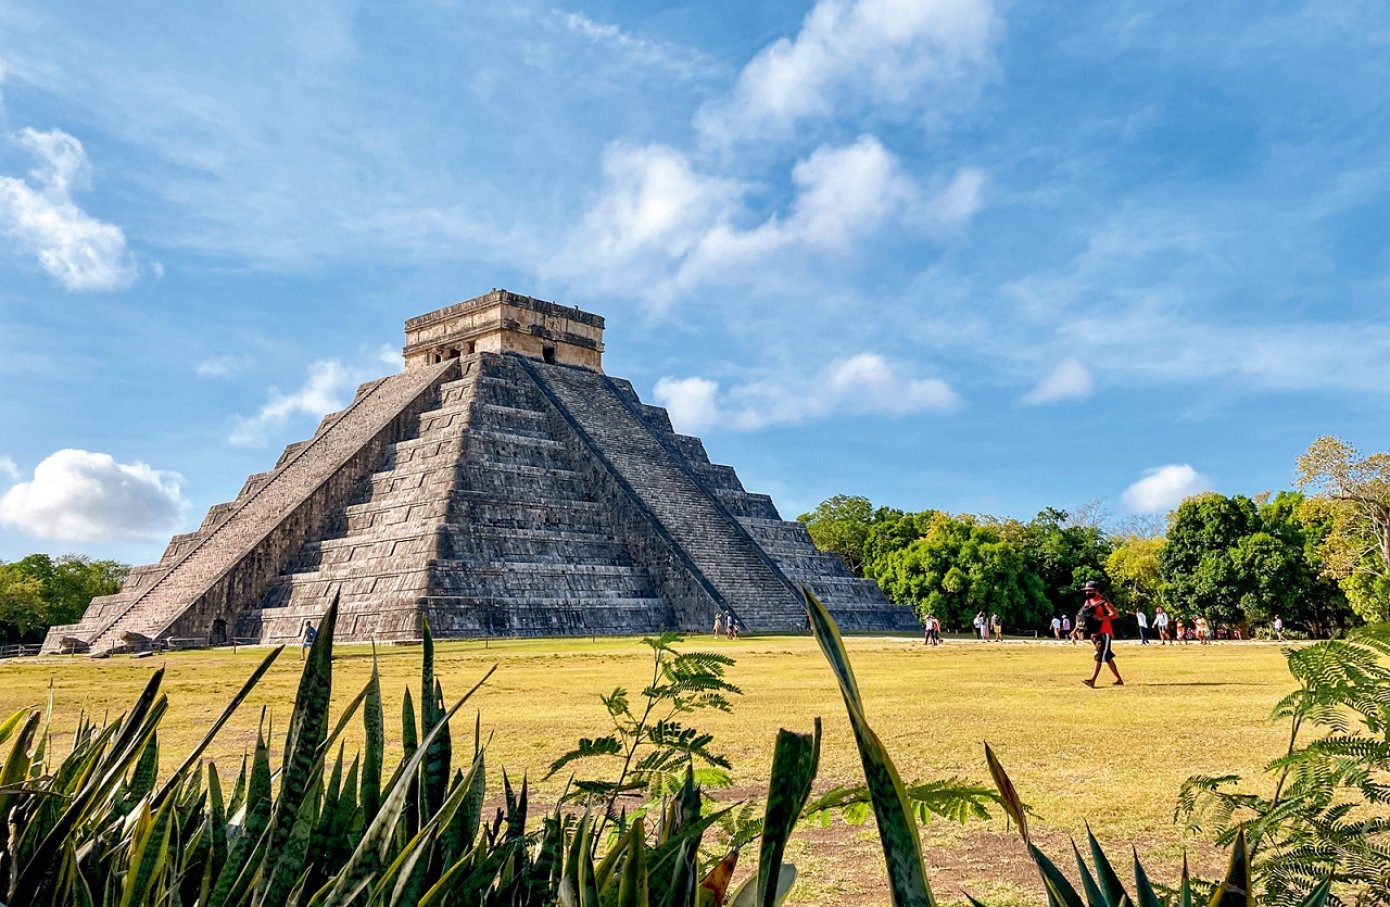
[[1098, 616]]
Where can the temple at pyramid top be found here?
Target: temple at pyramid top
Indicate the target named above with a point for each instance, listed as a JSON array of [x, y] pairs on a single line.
[[501, 485], [503, 322]]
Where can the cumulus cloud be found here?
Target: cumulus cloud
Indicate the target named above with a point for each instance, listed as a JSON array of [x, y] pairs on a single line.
[[85, 496], [327, 387], [898, 56], [1070, 380], [39, 215], [1164, 487], [863, 384], [222, 366], [9, 469], [663, 228], [691, 402]]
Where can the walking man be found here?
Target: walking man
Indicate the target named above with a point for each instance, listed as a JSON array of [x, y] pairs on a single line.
[[1278, 628], [1143, 620], [1056, 628], [1098, 616]]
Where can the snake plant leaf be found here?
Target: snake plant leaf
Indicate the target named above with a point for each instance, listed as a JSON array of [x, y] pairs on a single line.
[[373, 848], [1060, 892], [192, 758], [289, 862], [633, 886], [1318, 897], [217, 826], [1184, 886], [747, 893], [149, 854], [308, 729], [375, 726], [795, 761], [1108, 879], [897, 824], [105, 774], [715, 884], [1094, 896], [1144, 894], [1235, 889]]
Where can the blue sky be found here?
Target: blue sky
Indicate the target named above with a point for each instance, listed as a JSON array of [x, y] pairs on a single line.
[[961, 254]]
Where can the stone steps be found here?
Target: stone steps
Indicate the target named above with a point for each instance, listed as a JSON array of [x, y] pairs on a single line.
[[718, 546], [301, 472]]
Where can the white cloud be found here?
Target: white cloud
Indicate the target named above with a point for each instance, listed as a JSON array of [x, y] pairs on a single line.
[[1070, 380], [223, 366], [681, 61], [863, 384], [895, 56], [390, 355], [1164, 487], [86, 496], [690, 402], [328, 387], [662, 229], [81, 252], [9, 468]]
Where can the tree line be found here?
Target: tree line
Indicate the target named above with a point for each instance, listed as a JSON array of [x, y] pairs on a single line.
[[1317, 556], [38, 591]]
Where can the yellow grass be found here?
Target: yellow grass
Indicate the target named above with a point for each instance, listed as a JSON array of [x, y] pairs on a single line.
[[1113, 756]]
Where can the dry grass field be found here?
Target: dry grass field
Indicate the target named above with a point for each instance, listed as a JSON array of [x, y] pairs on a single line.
[[1113, 756]]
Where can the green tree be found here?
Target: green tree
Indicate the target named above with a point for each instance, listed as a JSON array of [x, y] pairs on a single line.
[[1135, 579], [1235, 562], [959, 567], [1356, 492], [37, 592], [892, 531], [1199, 573], [841, 524], [1063, 554]]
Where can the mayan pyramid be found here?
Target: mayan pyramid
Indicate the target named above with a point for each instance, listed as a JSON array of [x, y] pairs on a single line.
[[501, 485]]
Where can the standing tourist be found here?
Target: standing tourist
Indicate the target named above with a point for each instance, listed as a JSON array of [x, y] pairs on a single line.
[[1161, 625], [1066, 628], [1203, 630], [718, 624], [1278, 628], [1143, 620], [997, 627], [307, 635], [1056, 628], [980, 631], [1099, 616]]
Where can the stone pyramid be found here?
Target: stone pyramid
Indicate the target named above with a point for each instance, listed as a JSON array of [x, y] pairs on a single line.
[[501, 485]]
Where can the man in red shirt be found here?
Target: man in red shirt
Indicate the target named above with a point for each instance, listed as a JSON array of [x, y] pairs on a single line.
[[1099, 616]]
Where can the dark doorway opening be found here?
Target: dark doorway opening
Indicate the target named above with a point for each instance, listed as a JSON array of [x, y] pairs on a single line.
[[548, 354]]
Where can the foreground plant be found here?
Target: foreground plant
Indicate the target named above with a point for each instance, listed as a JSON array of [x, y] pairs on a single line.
[[1327, 815]]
